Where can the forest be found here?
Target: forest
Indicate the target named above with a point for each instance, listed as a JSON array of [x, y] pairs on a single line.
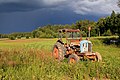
[[105, 26]]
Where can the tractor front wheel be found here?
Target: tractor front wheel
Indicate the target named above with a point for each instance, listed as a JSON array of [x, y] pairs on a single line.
[[73, 58]]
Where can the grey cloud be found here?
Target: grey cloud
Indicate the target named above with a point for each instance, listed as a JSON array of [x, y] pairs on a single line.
[[95, 7], [77, 6]]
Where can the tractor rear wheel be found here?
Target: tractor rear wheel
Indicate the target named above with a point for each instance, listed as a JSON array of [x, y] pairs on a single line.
[[98, 57], [58, 51], [73, 58]]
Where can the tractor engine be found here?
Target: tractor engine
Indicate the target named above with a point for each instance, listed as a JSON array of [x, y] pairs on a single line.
[[72, 49]]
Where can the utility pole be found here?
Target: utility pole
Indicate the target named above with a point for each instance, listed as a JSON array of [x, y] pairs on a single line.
[[89, 28]]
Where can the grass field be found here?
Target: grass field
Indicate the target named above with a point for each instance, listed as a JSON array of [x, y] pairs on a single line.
[[30, 59]]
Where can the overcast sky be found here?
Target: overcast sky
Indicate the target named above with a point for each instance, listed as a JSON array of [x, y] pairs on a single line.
[[27, 15]]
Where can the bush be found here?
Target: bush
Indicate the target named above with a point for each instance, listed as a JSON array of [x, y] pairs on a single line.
[[19, 37], [12, 38], [83, 33], [27, 37], [107, 33]]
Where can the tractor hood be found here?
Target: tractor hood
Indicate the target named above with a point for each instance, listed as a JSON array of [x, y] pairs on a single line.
[[85, 46]]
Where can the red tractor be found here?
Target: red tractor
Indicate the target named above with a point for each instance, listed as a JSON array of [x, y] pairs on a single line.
[[74, 48]]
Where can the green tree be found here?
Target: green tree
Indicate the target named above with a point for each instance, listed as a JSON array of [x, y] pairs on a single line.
[[118, 3], [113, 24], [118, 24], [0, 35], [79, 24], [34, 33], [101, 25]]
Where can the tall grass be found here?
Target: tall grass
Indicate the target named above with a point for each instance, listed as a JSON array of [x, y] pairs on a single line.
[[33, 61]]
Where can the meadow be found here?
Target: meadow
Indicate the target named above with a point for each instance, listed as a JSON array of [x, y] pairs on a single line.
[[30, 59]]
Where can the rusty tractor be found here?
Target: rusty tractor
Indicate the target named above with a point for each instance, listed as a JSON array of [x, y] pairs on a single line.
[[70, 45]]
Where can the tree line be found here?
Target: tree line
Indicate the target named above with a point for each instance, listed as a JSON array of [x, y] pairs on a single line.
[[17, 35], [106, 26]]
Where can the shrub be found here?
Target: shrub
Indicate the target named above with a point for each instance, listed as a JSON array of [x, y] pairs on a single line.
[[83, 33], [27, 37], [107, 33], [19, 37], [12, 38]]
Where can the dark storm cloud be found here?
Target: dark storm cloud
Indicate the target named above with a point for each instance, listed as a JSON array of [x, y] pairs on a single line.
[[28, 5], [12, 7]]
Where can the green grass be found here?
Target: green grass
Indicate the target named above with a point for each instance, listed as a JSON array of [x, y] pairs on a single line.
[[31, 60]]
